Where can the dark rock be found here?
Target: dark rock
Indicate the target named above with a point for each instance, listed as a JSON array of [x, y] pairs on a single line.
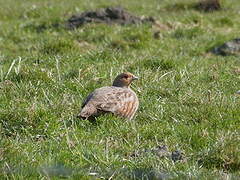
[[229, 48], [177, 156], [110, 15]]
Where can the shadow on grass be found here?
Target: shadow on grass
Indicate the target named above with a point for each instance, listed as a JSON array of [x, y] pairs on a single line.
[[59, 170]]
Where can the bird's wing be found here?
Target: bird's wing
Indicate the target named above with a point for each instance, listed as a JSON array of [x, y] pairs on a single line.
[[129, 104], [120, 101]]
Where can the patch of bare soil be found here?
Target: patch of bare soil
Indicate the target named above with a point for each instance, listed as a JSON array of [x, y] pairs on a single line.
[[161, 151], [209, 5], [229, 48], [109, 15]]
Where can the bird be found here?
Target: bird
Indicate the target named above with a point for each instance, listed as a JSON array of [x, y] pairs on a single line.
[[118, 99]]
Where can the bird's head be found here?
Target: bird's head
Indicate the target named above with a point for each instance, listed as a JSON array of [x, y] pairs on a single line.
[[124, 79]]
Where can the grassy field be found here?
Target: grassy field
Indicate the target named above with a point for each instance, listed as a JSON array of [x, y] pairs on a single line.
[[187, 96]]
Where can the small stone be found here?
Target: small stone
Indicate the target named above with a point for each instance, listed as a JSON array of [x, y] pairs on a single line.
[[177, 155], [156, 35]]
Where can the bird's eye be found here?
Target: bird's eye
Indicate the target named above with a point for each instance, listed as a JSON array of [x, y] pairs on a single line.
[[125, 77]]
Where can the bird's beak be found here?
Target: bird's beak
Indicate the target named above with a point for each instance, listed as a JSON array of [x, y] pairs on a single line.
[[135, 78]]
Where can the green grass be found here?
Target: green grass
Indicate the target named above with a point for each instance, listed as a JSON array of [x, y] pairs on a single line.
[[187, 96]]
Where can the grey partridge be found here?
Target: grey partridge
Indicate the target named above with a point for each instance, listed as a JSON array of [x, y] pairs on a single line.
[[118, 99]]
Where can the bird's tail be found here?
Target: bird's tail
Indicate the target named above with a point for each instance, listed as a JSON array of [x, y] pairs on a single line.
[[87, 111]]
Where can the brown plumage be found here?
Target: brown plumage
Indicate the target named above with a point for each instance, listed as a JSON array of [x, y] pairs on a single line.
[[118, 99]]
